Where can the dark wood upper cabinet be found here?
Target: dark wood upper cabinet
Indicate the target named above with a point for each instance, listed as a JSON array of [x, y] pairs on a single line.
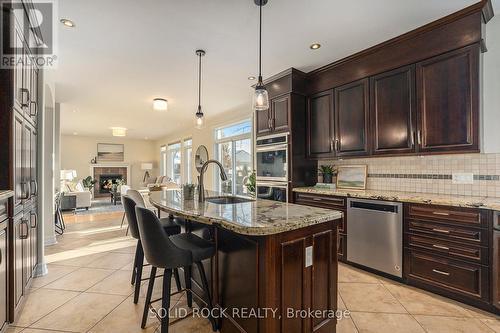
[[280, 113], [351, 119], [262, 122], [448, 101], [392, 111], [320, 126]]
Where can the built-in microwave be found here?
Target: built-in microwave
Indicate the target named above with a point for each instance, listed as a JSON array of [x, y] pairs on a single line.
[[272, 158], [275, 191]]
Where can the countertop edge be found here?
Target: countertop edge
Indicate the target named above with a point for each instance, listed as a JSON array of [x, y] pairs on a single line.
[[5, 194], [410, 197]]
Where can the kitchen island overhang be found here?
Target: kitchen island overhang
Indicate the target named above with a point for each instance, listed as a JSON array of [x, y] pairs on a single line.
[[277, 260]]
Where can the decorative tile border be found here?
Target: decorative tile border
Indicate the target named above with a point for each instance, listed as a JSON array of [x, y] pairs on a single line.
[[429, 176]]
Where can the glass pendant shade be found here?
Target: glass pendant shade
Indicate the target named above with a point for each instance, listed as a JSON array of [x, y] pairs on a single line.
[[260, 98], [199, 120]]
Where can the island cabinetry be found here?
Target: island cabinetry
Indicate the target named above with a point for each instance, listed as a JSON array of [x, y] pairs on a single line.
[[286, 272], [329, 202], [447, 251]]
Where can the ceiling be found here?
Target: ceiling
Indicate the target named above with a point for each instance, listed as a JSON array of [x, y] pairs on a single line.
[[124, 53]]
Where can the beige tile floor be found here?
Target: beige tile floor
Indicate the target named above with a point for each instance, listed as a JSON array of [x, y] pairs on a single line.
[[88, 290]]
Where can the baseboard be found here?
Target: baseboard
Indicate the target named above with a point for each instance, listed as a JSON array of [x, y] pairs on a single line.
[[51, 240]]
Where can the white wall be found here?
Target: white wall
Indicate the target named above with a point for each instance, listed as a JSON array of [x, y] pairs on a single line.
[[77, 151], [204, 136], [491, 88]]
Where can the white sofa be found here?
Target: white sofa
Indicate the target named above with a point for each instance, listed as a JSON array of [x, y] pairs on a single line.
[[83, 196]]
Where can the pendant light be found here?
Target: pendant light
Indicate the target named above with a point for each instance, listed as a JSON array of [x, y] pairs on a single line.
[[199, 114], [260, 97]]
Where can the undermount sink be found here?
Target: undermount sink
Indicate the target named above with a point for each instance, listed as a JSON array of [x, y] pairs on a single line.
[[227, 200]]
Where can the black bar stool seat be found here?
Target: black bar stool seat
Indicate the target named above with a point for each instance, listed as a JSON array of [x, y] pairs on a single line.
[[200, 248], [170, 225]]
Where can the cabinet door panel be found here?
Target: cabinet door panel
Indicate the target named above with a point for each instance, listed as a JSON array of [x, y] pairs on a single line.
[[3, 277], [320, 125], [448, 102], [262, 121], [280, 113], [27, 160], [18, 69], [19, 185], [18, 259], [351, 119], [393, 111]]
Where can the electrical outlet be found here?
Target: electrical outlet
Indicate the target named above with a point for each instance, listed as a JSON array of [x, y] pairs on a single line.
[[462, 178], [309, 256]]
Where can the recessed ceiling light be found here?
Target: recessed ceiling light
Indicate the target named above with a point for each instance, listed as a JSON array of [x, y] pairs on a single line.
[[68, 23], [160, 104], [251, 78], [119, 131], [315, 46]]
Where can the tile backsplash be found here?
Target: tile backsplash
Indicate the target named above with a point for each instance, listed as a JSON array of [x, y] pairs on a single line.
[[431, 174]]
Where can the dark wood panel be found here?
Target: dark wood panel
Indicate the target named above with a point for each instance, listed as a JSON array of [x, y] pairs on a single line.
[[323, 291], [262, 122], [292, 284], [392, 111], [465, 216], [448, 101], [452, 32], [320, 128], [351, 119], [448, 231], [280, 107]]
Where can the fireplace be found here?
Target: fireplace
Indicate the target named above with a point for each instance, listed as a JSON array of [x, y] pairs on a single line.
[[105, 176], [106, 182]]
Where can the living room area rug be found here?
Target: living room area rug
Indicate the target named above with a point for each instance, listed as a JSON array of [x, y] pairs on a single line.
[[99, 206]]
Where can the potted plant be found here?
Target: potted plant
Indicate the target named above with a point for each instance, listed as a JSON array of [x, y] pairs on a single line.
[[328, 172], [188, 191], [250, 184], [89, 183]]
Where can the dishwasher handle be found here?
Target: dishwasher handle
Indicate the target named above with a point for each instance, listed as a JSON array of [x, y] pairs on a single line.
[[381, 207]]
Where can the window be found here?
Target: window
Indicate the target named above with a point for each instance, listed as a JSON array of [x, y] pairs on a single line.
[[163, 160], [174, 162], [234, 150], [187, 149]]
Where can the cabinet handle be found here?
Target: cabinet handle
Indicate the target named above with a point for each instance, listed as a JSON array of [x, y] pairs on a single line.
[[35, 187], [25, 97], [316, 199], [440, 247], [25, 223], [332, 145], [35, 105], [269, 123], [441, 231], [36, 220], [413, 139], [441, 272], [441, 213], [337, 145], [25, 195], [419, 137]]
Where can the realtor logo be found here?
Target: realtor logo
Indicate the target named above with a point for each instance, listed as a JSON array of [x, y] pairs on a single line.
[[32, 26]]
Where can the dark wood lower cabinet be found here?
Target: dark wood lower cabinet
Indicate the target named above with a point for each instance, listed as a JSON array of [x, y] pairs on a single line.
[[4, 258], [273, 272]]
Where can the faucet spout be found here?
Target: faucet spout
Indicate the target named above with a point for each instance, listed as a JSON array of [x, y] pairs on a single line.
[[201, 185]]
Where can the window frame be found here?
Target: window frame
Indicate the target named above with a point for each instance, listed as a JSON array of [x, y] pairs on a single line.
[[170, 163]]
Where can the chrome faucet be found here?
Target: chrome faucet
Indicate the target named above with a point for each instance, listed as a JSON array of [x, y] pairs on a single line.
[[201, 186]]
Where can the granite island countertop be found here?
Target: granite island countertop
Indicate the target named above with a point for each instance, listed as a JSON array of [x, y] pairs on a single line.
[[256, 218], [5, 194], [410, 197]]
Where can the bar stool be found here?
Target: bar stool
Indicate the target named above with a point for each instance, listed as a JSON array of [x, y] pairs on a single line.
[[170, 253], [170, 228]]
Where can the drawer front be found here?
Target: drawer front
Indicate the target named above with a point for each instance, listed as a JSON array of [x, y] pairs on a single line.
[[448, 249], [466, 216], [448, 232], [466, 279], [320, 201]]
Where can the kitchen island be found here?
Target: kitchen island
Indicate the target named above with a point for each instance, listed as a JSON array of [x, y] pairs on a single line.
[[276, 265]]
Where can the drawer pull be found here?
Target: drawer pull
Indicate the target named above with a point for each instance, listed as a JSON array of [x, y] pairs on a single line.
[[441, 213], [441, 247], [316, 199], [441, 231], [441, 272]]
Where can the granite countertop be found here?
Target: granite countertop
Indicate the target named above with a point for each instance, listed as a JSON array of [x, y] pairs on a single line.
[[258, 217], [5, 194], [412, 197]]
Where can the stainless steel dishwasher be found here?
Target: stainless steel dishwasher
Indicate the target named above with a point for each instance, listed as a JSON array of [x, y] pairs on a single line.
[[375, 235]]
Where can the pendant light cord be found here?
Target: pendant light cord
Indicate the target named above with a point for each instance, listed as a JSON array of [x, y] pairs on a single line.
[[260, 41], [199, 85]]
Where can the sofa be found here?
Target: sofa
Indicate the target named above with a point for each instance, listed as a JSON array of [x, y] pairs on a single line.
[[83, 195], [161, 182]]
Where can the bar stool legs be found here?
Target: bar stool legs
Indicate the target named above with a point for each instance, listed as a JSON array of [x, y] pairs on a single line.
[[165, 301], [207, 293], [177, 280], [138, 275], [148, 296], [187, 277]]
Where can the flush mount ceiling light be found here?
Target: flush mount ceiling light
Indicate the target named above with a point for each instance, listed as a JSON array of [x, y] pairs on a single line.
[[68, 23], [119, 131], [251, 78], [199, 113], [260, 97], [160, 104], [315, 46]]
